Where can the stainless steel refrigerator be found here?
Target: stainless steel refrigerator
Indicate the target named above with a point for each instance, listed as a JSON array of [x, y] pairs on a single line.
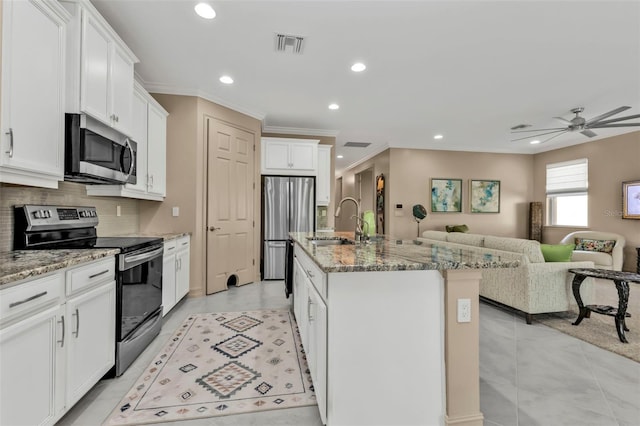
[[288, 205]]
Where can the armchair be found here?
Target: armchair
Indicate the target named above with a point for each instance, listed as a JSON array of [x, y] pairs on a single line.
[[602, 260]]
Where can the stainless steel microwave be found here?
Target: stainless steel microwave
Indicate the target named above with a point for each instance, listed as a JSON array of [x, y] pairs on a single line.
[[97, 154]]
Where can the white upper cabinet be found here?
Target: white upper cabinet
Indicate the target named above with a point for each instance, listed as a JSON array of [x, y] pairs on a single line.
[[149, 131], [33, 39], [323, 180], [283, 156], [100, 68]]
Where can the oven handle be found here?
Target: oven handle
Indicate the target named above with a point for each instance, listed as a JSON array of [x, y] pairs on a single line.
[[143, 256]]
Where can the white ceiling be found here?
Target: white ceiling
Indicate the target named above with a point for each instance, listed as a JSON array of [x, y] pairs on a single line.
[[469, 70]]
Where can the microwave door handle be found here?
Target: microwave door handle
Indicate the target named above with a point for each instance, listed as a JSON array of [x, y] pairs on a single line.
[[133, 158]]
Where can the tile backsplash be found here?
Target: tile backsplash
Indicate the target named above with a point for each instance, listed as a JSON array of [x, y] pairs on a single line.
[[67, 194]]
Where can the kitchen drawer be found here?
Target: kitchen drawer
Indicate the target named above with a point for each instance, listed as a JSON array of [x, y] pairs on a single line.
[[182, 243], [170, 247], [30, 295], [88, 275], [313, 271]]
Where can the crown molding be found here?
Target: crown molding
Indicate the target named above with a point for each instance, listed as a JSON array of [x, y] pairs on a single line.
[[299, 131], [367, 157], [173, 90]]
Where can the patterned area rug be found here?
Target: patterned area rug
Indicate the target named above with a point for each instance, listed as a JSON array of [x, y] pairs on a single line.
[[599, 330], [219, 364]]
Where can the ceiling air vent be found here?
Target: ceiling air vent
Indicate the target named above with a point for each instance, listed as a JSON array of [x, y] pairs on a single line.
[[357, 144], [287, 43]]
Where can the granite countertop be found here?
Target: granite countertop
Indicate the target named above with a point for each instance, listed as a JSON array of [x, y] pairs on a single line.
[[388, 254], [20, 264], [166, 236]]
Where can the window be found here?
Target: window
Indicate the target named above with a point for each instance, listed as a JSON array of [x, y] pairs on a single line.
[[567, 198]]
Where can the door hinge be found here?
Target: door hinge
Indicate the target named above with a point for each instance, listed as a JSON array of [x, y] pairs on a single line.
[[254, 147], [253, 261], [254, 223], [254, 185]]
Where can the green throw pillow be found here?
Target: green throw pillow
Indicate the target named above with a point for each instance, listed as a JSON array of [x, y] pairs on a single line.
[[557, 252], [604, 246], [456, 228]]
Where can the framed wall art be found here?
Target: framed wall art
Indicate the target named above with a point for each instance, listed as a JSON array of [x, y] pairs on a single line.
[[446, 195], [631, 199], [484, 196]]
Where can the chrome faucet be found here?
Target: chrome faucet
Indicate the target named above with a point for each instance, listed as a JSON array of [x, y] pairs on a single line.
[[359, 221]]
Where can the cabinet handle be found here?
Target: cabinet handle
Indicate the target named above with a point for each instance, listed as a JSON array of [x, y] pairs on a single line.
[[310, 274], [28, 299], [10, 133], [180, 260], [117, 118], [309, 303], [177, 267], [98, 274], [77, 332], [150, 181], [61, 341]]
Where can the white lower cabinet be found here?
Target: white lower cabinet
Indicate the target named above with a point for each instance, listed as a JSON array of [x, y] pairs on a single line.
[[175, 272], [310, 311], [55, 344]]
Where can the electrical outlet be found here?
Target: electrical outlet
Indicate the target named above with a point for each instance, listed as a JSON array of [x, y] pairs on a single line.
[[464, 310], [175, 211], [118, 211]]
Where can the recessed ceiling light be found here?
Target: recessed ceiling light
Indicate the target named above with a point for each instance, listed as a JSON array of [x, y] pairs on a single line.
[[358, 67], [334, 106], [438, 136], [534, 142], [339, 156], [205, 11], [226, 79]]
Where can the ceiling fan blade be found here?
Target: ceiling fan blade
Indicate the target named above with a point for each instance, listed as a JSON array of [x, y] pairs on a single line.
[[541, 134], [554, 136], [564, 120], [589, 133], [604, 126], [538, 130], [614, 120], [607, 114]]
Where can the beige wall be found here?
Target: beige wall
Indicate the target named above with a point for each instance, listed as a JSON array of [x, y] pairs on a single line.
[[379, 164], [611, 162], [186, 177], [67, 194], [324, 140], [410, 176]]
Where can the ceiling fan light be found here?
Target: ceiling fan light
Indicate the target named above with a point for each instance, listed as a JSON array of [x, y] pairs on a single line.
[[358, 67], [226, 79], [334, 106], [204, 10]]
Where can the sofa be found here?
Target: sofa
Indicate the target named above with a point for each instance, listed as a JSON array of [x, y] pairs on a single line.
[[535, 287], [601, 259]]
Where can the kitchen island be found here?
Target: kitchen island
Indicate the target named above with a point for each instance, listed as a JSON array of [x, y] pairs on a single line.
[[379, 322]]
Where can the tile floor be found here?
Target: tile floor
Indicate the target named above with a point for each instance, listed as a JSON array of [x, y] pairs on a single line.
[[529, 374]]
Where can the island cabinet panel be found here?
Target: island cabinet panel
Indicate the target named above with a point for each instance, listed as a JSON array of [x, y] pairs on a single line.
[[374, 343]]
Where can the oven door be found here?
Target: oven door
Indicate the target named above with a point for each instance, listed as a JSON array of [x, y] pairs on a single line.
[[139, 288]]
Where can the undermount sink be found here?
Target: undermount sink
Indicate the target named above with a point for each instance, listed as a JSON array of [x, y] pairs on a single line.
[[331, 242]]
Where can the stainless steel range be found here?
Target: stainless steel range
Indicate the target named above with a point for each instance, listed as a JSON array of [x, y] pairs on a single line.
[[139, 269]]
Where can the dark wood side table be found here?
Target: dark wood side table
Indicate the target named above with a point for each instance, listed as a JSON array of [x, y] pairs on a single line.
[[621, 280]]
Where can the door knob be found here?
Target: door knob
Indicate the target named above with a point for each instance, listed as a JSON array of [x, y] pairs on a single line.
[[213, 228]]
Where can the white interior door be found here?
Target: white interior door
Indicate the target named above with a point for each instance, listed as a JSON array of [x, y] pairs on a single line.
[[230, 221]]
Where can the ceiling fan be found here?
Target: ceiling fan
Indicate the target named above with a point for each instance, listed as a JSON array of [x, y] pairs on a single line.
[[579, 124]]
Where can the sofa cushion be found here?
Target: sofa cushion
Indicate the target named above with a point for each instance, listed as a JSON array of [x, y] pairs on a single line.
[[587, 244], [597, 257], [469, 239], [435, 235], [557, 252], [530, 248], [456, 228]]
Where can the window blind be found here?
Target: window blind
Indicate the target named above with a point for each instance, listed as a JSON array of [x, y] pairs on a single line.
[[568, 177]]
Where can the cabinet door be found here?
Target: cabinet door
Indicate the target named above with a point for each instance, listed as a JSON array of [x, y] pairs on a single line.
[[33, 39], [323, 181], [303, 156], [32, 369], [317, 349], [276, 155], [139, 135], [94, 79], [121, 85], [91, 339], [182, 269], [157, 147], [300, 300], [168, 283]]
